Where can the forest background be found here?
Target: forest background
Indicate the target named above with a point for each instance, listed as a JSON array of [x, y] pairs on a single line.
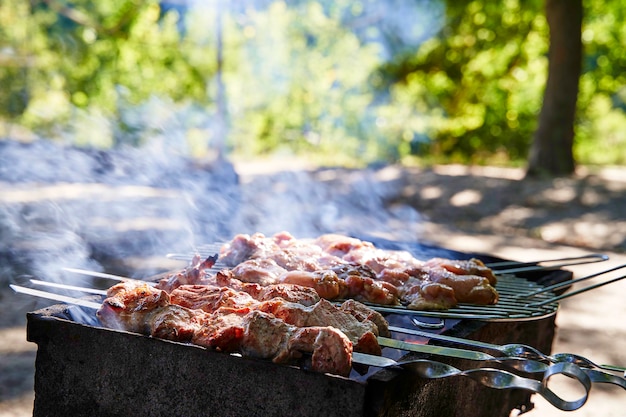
[[344, 82], [403, 83]]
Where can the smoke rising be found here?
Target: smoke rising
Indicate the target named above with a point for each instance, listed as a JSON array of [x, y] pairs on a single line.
[[309, 203], [69, 207], [122, 210]]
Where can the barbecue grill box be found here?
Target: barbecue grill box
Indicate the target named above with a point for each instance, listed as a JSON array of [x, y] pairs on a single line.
[[86, 370]]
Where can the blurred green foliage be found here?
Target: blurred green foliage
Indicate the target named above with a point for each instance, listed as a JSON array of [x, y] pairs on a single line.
[[349, 82]]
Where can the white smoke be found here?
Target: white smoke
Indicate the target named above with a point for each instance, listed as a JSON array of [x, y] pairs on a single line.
[[309, 203], [120, 209]]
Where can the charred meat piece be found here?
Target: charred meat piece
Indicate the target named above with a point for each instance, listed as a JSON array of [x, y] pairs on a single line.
[[195, 273], [379, 260], [243, 247], [288, 292], [420, 295], [363, 313], [138, 307], [325, 282], [323, 314], [371, 290], [360, 330], [143, 309], [330, 349], [222, 330], [464, 267], [265, 336], [471, 289], [340, 245], [260, 271], [210, 298], [338, 266]]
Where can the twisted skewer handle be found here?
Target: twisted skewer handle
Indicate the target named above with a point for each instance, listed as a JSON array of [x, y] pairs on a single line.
[[500, 379]]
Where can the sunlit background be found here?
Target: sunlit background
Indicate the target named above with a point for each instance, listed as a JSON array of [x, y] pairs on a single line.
[[347, 82], [168, 87]]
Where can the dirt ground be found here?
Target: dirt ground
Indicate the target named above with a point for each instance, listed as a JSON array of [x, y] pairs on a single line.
[[485, 210]]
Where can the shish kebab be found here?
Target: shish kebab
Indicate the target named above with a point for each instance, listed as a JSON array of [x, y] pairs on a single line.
[[283, 246], [516, 356], [510, 350], [302, 339], [316, 340], [265, 336]]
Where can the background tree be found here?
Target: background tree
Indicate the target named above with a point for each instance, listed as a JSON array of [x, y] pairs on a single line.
[[551, 152]]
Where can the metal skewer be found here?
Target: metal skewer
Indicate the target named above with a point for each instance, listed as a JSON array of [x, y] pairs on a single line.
[[569, 283], [529, 352], [68, 287], [494, 378], [55, 297], [511, 267], [104, 275]]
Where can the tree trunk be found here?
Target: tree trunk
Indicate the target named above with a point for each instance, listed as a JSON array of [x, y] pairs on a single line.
[[551, 153]]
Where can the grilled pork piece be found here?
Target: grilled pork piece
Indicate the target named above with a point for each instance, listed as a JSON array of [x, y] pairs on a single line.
[[471, 289], [331, 351], [361, 330], [379, 260], [140, 308], [325, 282], [464, 267], [266, 336], [210, 298], [261, 335], [373, 291], [424, 295], [243, 247], [363, 313], [283, 249], [339, 245], [365, 272], [195, 273], [288, 292], [361, 333], [261, 271]]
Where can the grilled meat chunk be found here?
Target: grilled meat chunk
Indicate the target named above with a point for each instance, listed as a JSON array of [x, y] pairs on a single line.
[[210, 298], [361, 333], [471, 289], [363, 313], [195, 273], [360, 330], [464, 267], [423, 295], [140, 308], [331, 351], [325, 282], [364, 272], [261, 271]]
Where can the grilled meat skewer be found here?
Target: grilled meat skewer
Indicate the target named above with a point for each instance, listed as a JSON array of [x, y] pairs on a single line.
[[367, 273], [143, 309]]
